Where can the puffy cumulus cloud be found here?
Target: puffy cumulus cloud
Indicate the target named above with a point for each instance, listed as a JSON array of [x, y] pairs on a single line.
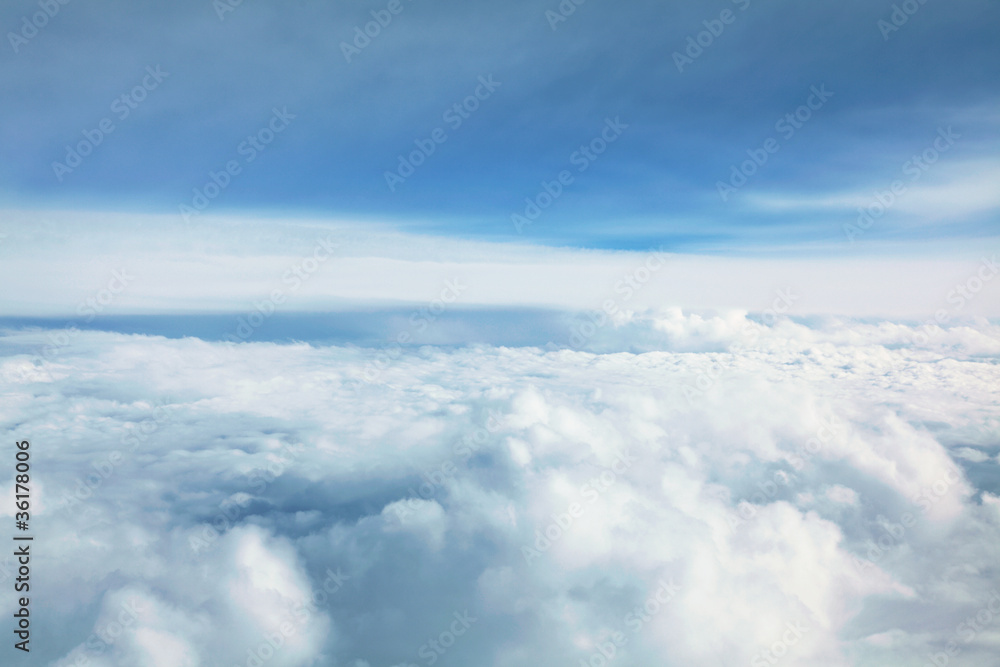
[[842, 494], [247, 597], [691, 489]]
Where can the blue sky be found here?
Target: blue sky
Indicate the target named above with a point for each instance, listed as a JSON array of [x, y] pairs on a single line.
[[655, 184]]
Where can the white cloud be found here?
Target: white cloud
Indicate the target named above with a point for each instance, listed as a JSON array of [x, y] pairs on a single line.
[[55, 262], [842, 494], [945, 193], [798, 480]]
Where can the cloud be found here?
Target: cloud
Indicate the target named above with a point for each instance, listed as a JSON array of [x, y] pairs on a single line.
[[945, 194], [260, 268], [802, 489]]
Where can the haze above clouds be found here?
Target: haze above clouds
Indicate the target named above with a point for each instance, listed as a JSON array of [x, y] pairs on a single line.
[[58, 261]]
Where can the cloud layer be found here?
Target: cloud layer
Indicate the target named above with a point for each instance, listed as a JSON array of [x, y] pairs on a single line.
[[85, 265], [732, 493]]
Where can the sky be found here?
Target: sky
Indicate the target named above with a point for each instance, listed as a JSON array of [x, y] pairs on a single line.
[[679, 127], [420, 333]]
